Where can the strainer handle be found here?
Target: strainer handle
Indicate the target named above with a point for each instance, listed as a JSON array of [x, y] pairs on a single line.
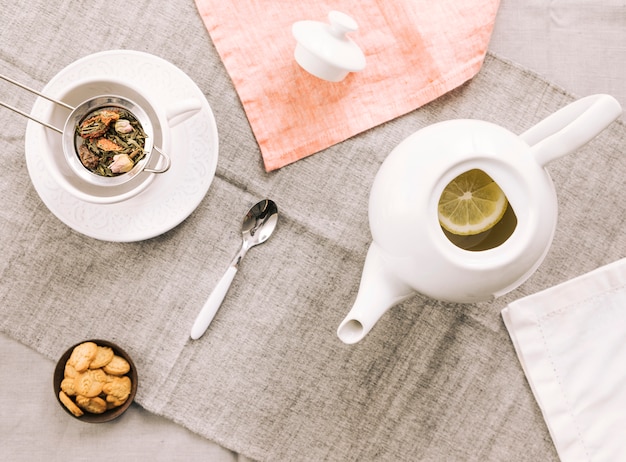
[[28, 116], [34, 119], [32, 90], [164, 168]]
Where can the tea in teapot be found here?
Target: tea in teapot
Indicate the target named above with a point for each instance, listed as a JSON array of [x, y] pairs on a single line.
[[474, 212]]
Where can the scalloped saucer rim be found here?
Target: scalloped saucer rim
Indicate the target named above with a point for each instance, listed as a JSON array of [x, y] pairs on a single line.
[[169, 200]]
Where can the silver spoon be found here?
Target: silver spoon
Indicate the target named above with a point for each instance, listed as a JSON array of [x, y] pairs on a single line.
[[257, 227]]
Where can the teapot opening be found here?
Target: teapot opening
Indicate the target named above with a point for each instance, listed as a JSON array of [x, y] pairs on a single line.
[[474, 213]]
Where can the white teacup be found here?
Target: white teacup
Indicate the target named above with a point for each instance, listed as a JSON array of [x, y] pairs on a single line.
[[90, 187]]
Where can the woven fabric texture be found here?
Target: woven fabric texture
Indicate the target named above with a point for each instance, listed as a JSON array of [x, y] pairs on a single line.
[[270, 379]]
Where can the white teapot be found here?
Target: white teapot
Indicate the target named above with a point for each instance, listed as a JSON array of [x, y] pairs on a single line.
[[411, 252]]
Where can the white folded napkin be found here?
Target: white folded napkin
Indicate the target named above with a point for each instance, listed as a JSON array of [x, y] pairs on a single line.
[[571, 342]]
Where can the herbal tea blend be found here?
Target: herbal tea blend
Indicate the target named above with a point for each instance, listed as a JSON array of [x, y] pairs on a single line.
[[113, 141]]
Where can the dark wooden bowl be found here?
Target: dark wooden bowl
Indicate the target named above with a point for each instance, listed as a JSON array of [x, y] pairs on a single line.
[[111, 414]]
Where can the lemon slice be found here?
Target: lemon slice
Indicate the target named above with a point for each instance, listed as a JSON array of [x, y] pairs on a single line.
[[471, 203]]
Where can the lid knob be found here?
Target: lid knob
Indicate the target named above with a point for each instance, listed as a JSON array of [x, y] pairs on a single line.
[[324, 50], [341, 24]]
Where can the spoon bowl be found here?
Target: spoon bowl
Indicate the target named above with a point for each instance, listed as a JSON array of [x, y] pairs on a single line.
[[258, 225]]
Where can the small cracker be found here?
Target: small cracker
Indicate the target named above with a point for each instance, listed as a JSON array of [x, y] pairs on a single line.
[[119, 388], [104, 355], [117, 366], [82, 355], [113, 402], [94, 405], [68, 386], [69, 404], [100, 376], [87, 384], [70, 372]]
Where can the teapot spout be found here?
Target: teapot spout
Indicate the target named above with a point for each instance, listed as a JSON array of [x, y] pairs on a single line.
[[379, 290]]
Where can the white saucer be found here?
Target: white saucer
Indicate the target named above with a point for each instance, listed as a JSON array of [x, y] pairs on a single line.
[[172, 196]]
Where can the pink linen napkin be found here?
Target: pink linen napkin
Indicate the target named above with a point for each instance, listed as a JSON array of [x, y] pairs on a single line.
[[416, 50]]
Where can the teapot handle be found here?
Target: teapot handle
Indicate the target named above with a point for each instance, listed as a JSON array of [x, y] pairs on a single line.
[[571, 127]]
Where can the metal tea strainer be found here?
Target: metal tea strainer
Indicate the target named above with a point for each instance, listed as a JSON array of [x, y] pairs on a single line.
[[76, 116]]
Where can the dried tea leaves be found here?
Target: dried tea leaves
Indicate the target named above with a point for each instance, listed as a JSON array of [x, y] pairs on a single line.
[[112, 141]]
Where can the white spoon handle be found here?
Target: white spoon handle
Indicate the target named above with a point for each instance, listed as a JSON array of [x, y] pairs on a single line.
[[211, 306]]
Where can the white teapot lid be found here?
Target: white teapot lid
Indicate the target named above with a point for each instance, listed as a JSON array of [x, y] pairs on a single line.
[[325, 50]]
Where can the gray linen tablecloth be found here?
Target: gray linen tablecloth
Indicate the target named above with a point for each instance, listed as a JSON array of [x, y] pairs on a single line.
[[270, 380]]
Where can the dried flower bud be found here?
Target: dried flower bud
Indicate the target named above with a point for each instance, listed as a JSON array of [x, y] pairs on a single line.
[[107, 145], [122, 163], [123, 126]]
